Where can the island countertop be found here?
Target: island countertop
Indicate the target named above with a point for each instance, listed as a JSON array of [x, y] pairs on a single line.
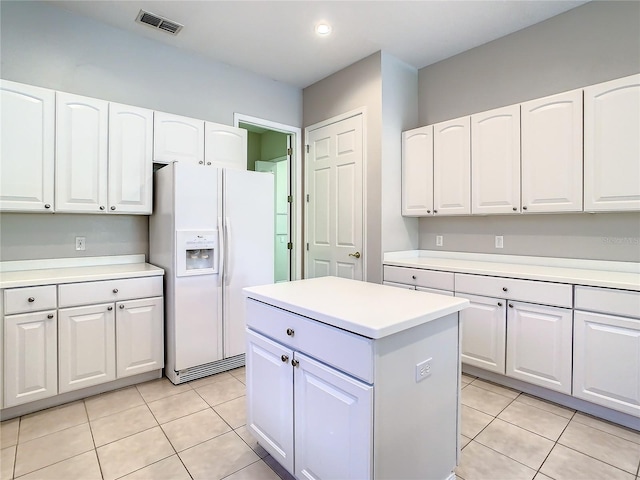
[[368, 309]]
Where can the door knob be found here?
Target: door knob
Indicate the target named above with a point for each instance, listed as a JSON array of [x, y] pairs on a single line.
[[357, 254]]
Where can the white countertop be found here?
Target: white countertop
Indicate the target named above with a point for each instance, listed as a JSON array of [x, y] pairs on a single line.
[[368, 309], [88, 269], [623, 275]]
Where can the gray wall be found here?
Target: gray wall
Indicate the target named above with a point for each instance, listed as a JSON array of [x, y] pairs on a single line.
[[49, 47], [356, 86], [593, 43]]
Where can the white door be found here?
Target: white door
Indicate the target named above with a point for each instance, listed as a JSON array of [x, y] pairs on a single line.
[[417, 171], [130, 159], [177, 138], [495, 161], [483, 331], [452, 167], [333, 423], [225, 146], [139, 336], [539, 340], [606, 361], [611, 146], [248, 242], [81, 153], [552, 153], [31, 357], [270, 394], [86, 346], [27, 120], [335, 200]]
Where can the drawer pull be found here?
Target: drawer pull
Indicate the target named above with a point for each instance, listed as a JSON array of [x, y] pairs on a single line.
[[515, 209], [115, 290], [511, 305], [46, 205], [109, 308], [50, 316], [113, 207], [295, 362], [413, 276], [504, 289], [290, 332], [31, 299], [499, 304], [121, 307], [284, 358]]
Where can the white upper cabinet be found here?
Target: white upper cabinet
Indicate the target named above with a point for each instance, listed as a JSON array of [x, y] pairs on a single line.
[[552, 153], [81, 153], [417, 172], [26, 147], [495, 161], [225, 146], [452, 167], [611, 145], [130, 159], [177, 138]]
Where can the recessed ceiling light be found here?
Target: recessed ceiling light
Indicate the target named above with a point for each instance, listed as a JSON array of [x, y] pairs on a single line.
[[323, 29]]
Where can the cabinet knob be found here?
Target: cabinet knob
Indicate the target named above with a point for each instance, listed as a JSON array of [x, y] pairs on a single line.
[[511, 305], [46, 205], [515, 209], [504, 289], [499, 304], [290, 332], [31, 299], [113, 207], [295, 362], [208, 163], [201, 162], [435, 211], [101, 207], [524, 208], [285, 358], [115, 290], [428, 211], [121, 306], [109, 308], [413, 276], [50, 316]]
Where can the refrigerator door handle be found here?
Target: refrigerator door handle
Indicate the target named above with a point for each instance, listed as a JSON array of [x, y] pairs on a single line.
[[222, 248], [227, 228]]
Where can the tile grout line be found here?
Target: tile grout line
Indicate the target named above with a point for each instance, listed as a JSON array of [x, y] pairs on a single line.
[[95, 448]]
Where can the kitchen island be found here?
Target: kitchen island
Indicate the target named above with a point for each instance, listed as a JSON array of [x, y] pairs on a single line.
[[354, 380]]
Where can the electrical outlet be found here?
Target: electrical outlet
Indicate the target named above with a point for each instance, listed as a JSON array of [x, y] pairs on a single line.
[[423, 369], [81, 243], [439, 240], [499, 241]]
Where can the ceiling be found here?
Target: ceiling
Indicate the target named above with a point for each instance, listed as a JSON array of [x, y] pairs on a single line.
[[277, 39]]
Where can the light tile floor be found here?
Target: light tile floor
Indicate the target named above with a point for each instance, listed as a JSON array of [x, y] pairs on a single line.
[[157, 430]]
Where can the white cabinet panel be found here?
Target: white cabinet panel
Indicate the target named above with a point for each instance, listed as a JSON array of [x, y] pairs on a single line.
[[225, 146], [130, 159], [26, 147], [539, 340], [81, 153], [177, 138], [611, 146], [608, 300], [495, 161], [30, 362], [419, 277], [417, 172], [86, 341], [452, 167], [552, 153], [29, 299], [606, 361], [140, 339]]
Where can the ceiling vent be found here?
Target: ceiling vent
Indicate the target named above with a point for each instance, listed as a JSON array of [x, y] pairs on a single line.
[[161, 23]]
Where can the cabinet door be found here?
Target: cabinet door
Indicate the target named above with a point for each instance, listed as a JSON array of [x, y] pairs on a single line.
[[30, 362], [177, 138], [606, 361], [483, 332], [552, 153], [333, 423], [130, 159], [140, 336], [270, 397], [81, 153], [26, 147], [611, 146], [225, 146], [539, 343], [417, 172], [452, 167], [495, 161], [86, 346]]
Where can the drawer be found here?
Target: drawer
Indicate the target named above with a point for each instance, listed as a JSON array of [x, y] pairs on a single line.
[[86, 293], [343, 350], [545, 293], [607, 300], [29, 299], [419, 277]]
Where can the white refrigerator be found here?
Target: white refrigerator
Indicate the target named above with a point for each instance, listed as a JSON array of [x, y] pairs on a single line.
[[212, 231]]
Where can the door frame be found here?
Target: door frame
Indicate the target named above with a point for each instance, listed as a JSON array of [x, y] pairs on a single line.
[[338, 118], [296, 183]]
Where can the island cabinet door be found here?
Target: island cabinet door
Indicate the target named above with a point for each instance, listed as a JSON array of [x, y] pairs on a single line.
[[333, 423], [270, 397]]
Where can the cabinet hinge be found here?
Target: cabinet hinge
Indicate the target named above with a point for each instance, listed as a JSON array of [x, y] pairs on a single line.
[[307, 148], [307, 197], [289, 246], [289, 151], [290, 199], [307, 246]]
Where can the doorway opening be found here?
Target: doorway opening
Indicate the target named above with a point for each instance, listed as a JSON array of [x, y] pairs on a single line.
[[274, 148]]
